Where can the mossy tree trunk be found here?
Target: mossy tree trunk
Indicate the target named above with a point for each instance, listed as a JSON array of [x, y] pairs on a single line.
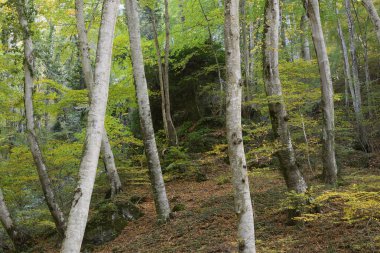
[[278, 115]]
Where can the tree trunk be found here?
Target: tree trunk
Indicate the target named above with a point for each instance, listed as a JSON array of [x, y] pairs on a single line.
[[109, 163], [35, 149], [243, 203], [245, 50], [304, 38], [172, 134], [19, 240], [367, 75], [106, 150], [368, 5], [160, 73], [156, 178], [347, 71], [328, 129], [362, 133], [95, 128], [278, 115]]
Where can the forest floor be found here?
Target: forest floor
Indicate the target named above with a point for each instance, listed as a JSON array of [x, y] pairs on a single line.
[[206, 221]]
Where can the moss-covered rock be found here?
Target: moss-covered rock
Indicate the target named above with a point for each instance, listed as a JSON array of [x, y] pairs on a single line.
[[109, 219]]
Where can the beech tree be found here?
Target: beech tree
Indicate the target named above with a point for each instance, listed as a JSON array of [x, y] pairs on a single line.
[[277, 111], [106, 150], [347, 71], [305, 52], [374, 16], [95, 126], [242, 196], [356, 91], [155, 173], [330, 169], [47, 188], [18, 238]]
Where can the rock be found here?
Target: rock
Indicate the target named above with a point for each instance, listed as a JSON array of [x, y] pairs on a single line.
[[109, 220]]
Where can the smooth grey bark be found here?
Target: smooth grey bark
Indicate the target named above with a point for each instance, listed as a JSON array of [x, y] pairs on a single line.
[[357, 98], [278, 115], [305, 52], [347, 70], [155, 173], [6, 220], [374, 16], [172, 134], [242, 196], [106, 150], [95, 128], [330, 169], [34, 146]]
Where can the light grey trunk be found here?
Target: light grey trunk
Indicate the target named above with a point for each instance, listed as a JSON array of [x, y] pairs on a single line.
[[109, 163], [304, 38], [328, 129], [172, 134], [95, 126], [155, 173], [106, 150], [278, 115], [34, 146], [347, 70], [8, 224], [372, 13], [242, 196], [362, 134]]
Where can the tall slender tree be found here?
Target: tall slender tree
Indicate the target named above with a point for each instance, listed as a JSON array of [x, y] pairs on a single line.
[[357, 98], [95, 127], [278, 115], [242, 196], [374, 16], [155, 173], [23, 10], [18, 238], [305, 52], [347, 72], [172, 134], [330, 169], [106, 150]]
